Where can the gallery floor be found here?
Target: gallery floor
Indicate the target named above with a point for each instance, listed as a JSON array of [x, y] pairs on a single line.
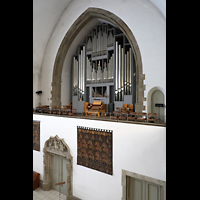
[[39, 194]]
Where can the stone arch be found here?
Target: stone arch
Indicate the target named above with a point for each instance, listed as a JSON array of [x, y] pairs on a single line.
[[81, 21], [56, 146]]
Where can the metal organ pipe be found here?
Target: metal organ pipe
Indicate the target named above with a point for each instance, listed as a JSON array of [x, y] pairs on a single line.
[[130, 69], [79, 74], [93, 72], [122, 75], [110, 67], [75, 78], [125, 74], [94, 44], [104, 41], [119, 74], [116, 72], [105, 73], [99, 74], [88, 69], [83, 72]]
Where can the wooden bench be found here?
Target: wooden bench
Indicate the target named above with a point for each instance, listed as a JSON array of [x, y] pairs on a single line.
[[36, 178]]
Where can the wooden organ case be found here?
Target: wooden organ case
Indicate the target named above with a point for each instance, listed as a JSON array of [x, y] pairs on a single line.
[[103, 69], [95, 108]]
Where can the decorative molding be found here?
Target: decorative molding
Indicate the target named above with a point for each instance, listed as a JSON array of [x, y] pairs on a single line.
[[57, 146], [126, 174]]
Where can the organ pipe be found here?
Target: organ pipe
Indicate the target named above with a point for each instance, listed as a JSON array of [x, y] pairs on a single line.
[[125, 74], [122, 75], [110, 39], [128, 72], [93, 72], [104, 41], [83, 71], [89, 44], [130, 69], [99, 74], [119, 74], [116, 72], [75, 78], [89, 69], [94, 49], [105, 73], [110, 67]]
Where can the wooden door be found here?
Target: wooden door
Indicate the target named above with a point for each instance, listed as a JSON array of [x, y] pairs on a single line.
[[59, 174]]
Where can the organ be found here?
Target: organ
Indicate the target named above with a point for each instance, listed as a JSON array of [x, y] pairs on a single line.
[[104, 69]]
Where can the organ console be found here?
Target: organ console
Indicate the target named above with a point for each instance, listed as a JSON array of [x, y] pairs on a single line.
[[95, 108]]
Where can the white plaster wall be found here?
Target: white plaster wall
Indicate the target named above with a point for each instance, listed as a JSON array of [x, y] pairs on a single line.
[[145, 21], [137, 148]]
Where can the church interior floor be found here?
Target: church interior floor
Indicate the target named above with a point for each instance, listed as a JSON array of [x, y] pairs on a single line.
[[39, 194]]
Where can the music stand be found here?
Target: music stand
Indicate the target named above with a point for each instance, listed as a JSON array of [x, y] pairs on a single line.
[[61, 183], [159, 105]]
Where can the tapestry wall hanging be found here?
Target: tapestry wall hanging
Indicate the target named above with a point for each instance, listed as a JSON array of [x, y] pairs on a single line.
[[36, 135], [95, 149]]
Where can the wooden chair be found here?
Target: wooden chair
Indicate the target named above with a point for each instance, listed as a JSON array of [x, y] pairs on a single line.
[[45, 108], [141, 117], [124, 108], [152, 117], [56, 110], [72, 112], [65, 111], [130, 107], [123, 115], [36, 178], [114, 115], [132, 116], [69, 106]]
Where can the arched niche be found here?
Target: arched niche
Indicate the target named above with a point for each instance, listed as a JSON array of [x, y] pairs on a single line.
[[156, 95], [57, 146], [82, 20]]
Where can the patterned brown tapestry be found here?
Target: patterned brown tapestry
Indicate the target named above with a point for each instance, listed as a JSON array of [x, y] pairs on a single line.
[[95, 149], [36, 135]]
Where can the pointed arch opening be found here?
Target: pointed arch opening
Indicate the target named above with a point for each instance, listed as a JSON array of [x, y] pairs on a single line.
[[81, 21], [56, 147]]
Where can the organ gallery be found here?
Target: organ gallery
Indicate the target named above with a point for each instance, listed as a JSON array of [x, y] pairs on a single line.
[[104, 69]]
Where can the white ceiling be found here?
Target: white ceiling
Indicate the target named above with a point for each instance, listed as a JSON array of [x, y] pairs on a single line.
[[46, 14]]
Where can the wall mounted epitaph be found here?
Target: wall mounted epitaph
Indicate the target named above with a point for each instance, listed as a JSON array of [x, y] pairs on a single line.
[[36, 135], [95, 149]]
